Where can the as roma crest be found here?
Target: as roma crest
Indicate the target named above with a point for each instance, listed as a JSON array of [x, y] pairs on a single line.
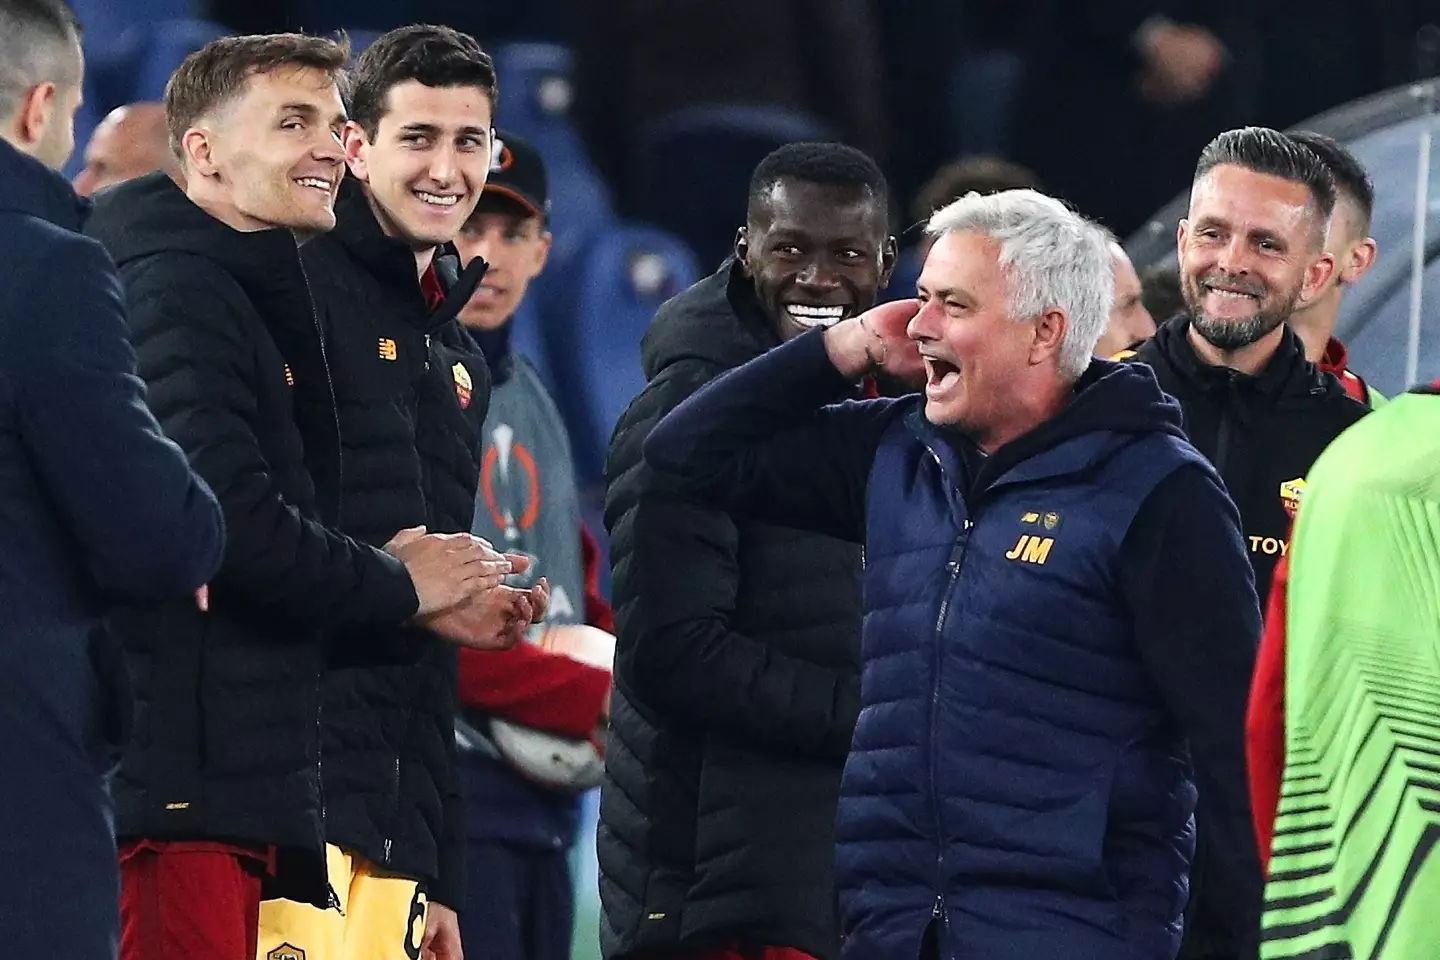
[[1291, 493], [464, 386]]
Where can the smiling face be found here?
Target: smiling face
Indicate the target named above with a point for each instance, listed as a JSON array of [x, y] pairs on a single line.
[[817, 253], [979, 361], [1249, 253], [272, 157], [428, 161]]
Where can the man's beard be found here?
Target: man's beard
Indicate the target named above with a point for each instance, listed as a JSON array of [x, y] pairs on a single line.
[[1234, 334]]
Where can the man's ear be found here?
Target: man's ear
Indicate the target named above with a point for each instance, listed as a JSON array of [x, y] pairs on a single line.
[[742, 249], [1359, 262], [889, 255], [353, 139], [1050, 328], [196, 152], [1317, 277], [37, 110]]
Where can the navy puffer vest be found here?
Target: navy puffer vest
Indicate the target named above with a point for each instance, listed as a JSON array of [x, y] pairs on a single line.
[[1015, 778]]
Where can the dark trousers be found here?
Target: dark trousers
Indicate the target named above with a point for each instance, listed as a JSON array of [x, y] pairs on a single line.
[[520, 903]]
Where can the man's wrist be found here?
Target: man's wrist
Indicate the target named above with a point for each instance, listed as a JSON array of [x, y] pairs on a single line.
[[853, 349]]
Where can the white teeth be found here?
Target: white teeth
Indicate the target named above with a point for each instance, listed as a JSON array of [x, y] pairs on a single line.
[[436, 200], [316, 182], [1231, 294], [808, 316]]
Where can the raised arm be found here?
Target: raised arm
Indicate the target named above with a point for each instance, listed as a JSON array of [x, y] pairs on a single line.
[[776, 440], [147, 527]]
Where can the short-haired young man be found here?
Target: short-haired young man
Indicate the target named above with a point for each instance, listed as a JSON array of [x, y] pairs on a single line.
[[737, 662], [218, 794], [1350, 243], [96, 508], [411, 391], [521, 901]]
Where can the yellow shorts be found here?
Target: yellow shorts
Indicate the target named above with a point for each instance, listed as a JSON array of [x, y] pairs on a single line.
[[381, 917]]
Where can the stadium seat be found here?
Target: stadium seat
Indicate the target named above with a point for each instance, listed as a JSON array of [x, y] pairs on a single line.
[[535, 99], [104, 20], [166, 44], [695, 164], [613, 289], [536, 94]]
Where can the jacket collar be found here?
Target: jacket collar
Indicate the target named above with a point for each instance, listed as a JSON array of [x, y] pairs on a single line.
[[1111, 404], [1287, 375], [29, 187], [392, 262]]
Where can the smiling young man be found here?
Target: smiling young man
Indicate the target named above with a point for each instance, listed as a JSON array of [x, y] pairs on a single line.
[[737, 663], [411, 392], [1251, 251], [218, 794]]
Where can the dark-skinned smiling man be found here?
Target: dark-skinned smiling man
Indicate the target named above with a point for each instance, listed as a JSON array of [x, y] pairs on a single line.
[[738, 655]]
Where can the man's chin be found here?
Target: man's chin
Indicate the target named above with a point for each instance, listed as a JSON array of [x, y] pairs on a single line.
[[1234, 334]]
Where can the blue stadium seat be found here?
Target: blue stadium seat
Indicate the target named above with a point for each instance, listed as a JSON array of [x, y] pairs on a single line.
[[592, 337], [535, 99], [536, 94], [695, 165], [164, 45], [104, 20]]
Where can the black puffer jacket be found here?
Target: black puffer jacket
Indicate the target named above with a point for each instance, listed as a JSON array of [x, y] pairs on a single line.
[[736, 684], [227, 723], [412, 390]]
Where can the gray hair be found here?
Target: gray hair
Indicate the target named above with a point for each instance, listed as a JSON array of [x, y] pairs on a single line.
[[1051, 257], [39, 43]]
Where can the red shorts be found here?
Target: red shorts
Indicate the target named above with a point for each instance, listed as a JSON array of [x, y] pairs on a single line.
[[190, 898]]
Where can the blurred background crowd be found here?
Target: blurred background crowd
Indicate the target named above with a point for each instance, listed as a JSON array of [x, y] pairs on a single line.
[[651, 115]]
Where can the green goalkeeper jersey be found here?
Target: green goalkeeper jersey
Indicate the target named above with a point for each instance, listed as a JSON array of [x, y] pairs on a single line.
[[1355, 871]]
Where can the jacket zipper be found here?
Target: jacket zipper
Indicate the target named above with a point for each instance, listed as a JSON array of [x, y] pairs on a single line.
[[395, 812], [955, 564], [339, 506]]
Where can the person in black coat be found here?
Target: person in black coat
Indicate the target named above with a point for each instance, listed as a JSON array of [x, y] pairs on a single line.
[[96, 508], [412, 390], [1251, 248], [218, 794], [737, 663]]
